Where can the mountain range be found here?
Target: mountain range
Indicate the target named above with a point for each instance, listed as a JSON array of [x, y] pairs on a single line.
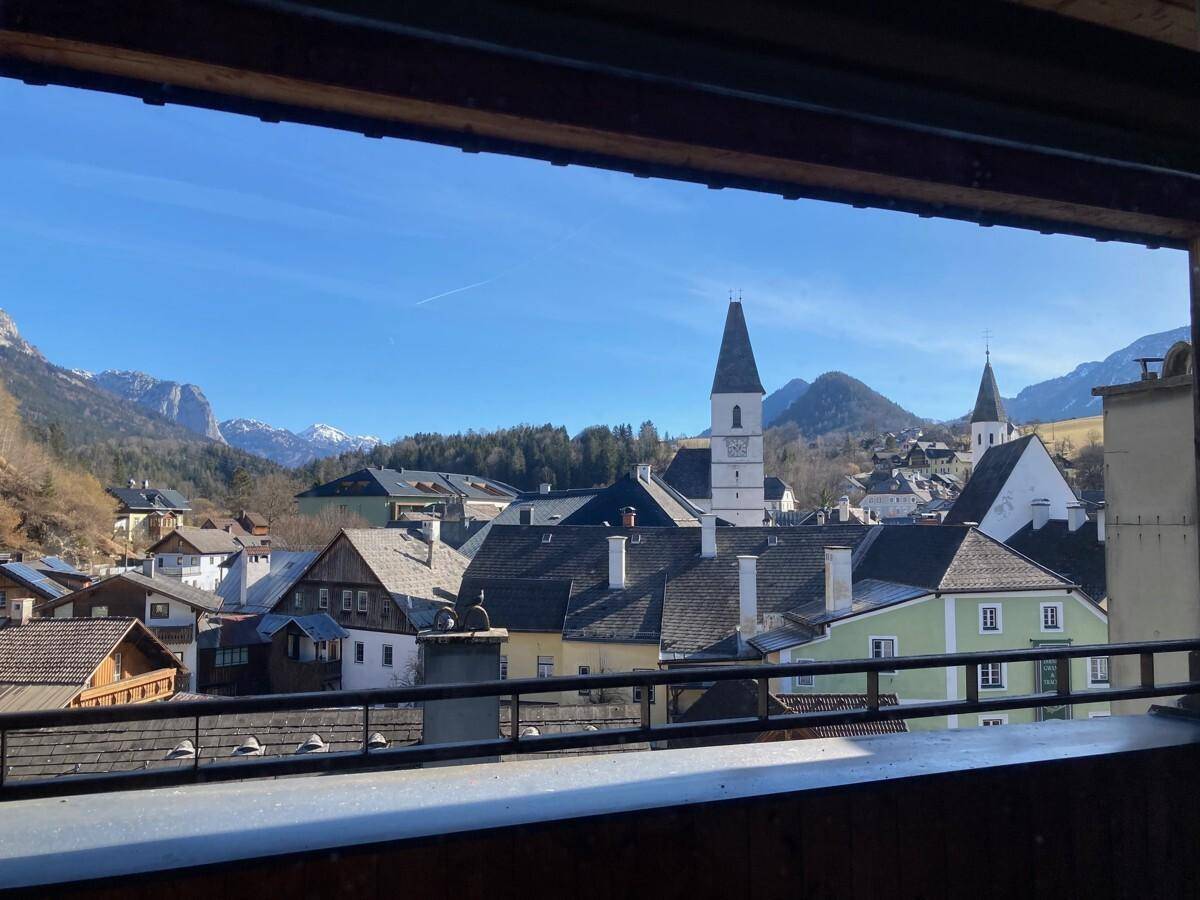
[[289, 448], [1070, 396]]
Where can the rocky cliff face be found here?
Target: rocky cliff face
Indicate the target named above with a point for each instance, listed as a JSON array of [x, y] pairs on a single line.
[[183, 404], [11, 338]]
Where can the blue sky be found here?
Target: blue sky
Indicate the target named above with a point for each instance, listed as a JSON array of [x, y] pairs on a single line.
[[283, 269]]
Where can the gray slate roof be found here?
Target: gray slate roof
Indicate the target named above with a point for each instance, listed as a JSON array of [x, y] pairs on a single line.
[[434, 487], [318, 626], [552, 508], [989, 407], [160, 584], [398, 559], [206, 541], [690, 472], [987, 481], [38, 582], [150, 499], [1076, 555], [737, 373]]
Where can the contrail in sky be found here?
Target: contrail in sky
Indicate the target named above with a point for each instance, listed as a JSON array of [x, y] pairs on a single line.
[[521, 265]]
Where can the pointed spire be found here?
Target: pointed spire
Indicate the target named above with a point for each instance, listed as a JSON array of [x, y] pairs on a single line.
[[737, 372], [988, 405]]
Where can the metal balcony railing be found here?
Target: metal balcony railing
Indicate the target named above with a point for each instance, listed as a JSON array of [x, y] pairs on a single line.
[[644, 732]]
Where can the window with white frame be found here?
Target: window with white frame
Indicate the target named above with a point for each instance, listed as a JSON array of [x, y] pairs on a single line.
[[989, 619], [347, 601], [584, 670], [298, 600], [360, 652], [387, 655], [882, 647], [991, 676], [323, 598], [117, 666], [503, 668], [545, 666], [1052, 615], [994, 719], [1097, 671], [362, 601]]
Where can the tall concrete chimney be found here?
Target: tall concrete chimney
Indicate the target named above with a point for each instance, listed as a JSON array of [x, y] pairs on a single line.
[[1041, 513], [708, 535], [839, 584], [148, 566], [820, 517], [145, 484], [641, 472], [747, 596], [843, 509], [1076, 515], [616, 562], [1100, 522]]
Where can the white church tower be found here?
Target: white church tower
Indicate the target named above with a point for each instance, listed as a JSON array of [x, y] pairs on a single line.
[[989, 421], [737, 427]]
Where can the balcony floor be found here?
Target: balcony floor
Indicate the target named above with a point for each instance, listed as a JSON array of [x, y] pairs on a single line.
[[1017, 794]]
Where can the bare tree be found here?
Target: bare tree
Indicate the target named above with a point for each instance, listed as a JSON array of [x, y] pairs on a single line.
[[274, 496], [312, 532]]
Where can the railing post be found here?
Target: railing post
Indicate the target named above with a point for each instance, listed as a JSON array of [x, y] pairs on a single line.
[[514, 718], [196, 745], [1147, 660], [1190, 701], [873, 690], [1062, 674], [366, 728], [764, 698], [972, 679], [645, 707], [3, 757]]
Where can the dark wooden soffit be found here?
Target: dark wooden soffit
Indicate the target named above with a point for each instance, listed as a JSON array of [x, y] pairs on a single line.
[[988, 111], [1169, 21]]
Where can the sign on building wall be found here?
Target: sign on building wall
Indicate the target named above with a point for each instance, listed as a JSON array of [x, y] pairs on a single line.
[[1047, 680]]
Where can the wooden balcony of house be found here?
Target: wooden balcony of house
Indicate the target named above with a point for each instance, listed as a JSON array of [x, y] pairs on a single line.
[[156, 685], [174, 634]]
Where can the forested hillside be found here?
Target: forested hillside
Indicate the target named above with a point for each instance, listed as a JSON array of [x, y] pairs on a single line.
[[835, 402], [524, 456]]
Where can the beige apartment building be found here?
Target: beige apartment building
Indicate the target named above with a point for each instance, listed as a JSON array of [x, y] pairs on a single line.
[[1149, 520]]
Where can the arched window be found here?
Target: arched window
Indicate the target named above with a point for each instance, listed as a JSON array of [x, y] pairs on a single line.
[[737, 417]]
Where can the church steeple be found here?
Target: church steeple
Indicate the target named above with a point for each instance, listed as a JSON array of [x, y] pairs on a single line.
[[989, 407], [737, 373]]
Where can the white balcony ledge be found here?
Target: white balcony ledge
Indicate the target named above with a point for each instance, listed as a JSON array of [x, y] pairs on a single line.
[[56, 840]]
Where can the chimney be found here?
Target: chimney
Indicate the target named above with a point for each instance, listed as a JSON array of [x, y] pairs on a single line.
[[843, 509], [1100, 522], [641, 472], [1041, 513], [616, 562], [145, 484], [839, 585], [628, 516], [243, 577], [1076, 515], [525, 515], [148, 566], [747, 597], [820, 517], [544, 487], [22, 610], [132, 483], [431, 531], [708, 535]]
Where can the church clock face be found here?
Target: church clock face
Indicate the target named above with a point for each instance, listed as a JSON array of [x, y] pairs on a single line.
[[737, 446]]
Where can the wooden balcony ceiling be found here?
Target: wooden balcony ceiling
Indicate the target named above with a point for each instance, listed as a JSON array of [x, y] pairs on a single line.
[[1169, 21], [991, 111]]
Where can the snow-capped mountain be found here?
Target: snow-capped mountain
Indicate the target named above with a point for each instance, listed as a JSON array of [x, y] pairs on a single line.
[[289, 448], [1070, 396], [10, 336]]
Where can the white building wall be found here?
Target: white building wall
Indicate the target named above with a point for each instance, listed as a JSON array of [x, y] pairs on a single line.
[[371, 672], [985, 435], [179, 614], [1034, 476], [737, 459]]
